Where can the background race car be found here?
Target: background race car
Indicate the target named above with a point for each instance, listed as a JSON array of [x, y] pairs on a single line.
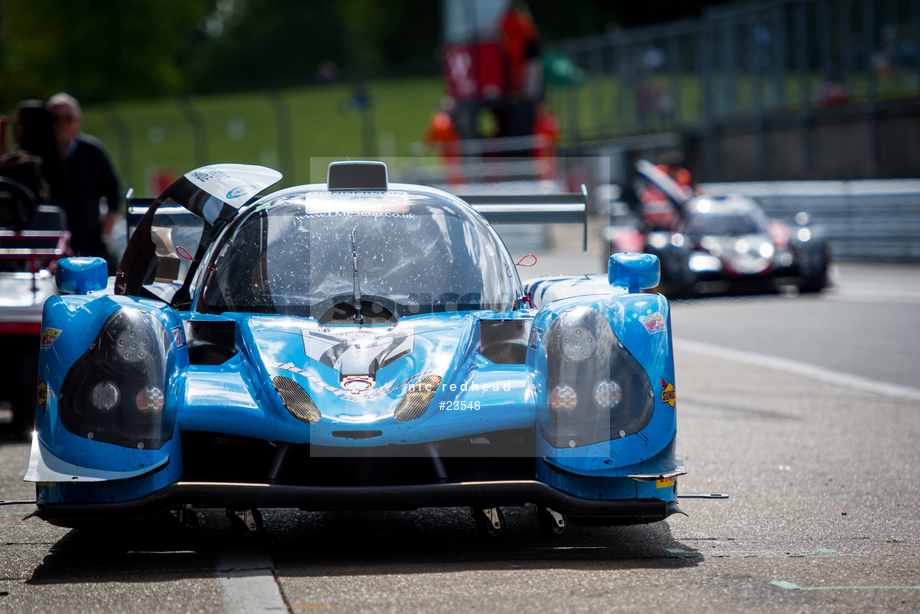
[[716, 244]]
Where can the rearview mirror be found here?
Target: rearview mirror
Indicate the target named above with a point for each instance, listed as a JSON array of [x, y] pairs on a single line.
[[634, 272], [81, 275]]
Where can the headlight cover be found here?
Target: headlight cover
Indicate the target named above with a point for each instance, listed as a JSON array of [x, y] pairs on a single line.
[[116, 391], [592, 399]]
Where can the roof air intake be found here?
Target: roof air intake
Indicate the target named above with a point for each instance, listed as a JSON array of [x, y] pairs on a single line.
[[357, 176]]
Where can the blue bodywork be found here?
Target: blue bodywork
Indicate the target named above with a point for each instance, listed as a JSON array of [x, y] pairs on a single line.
[[190, 387]]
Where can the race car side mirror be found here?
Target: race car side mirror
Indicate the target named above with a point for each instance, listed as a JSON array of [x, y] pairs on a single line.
[[634, 272], [81, 275]]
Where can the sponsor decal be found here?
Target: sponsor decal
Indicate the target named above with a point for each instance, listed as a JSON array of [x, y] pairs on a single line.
[[49, 336], [535, 335], [204, 176], [178, 335], [42, 396], [668, 394], [653, 323], [665, 482], [242, 190]]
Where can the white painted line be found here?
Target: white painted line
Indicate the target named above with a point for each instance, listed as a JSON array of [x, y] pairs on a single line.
[[796, 367], [247, 584], [892, 298], [250, 592], [789, 586]]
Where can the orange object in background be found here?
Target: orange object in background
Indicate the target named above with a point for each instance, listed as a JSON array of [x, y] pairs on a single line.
[[680, 175], [518, 30], [547, 129], [442, 133]]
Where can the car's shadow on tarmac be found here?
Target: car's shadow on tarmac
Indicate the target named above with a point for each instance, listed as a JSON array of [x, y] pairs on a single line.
[[347, 543]]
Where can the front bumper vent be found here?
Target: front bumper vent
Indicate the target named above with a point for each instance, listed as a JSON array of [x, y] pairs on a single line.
[[296, 400], [417, 399]]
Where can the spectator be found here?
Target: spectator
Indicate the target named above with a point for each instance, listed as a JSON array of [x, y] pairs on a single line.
[[547, 129], [87, 179], [519, 32], [442, 134], [25, 165]]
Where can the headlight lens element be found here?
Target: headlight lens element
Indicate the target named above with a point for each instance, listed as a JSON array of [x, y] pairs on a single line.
[[578, 344], [607, 394], [106, 396], [150, 399], [133, 345], [562, 398]]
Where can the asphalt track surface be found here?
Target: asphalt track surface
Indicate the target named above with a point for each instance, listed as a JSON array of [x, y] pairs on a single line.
[[802, 408]]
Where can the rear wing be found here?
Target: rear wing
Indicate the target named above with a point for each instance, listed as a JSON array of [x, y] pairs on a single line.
[[568, 208]]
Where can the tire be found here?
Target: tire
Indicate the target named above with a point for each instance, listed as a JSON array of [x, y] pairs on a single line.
[[484, 527], [548, 524]]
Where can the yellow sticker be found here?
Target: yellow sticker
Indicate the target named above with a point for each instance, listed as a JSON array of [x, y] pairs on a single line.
[[668, 395], [42, 396], [665, 482]]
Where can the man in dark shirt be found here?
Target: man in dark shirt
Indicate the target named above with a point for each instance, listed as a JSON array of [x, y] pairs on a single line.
[[87, 179]]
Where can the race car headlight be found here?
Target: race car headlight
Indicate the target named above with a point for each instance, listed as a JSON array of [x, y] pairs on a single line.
[[115, 392], [604, 395]]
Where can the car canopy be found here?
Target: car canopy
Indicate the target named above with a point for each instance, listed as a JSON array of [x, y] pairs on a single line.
[[402, 251]]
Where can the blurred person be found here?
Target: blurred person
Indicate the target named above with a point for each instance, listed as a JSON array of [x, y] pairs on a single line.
[[442, 134], [35, 136], [32, 132], [654, 208], [547, 129], [672, 163], [519, 33], [87, 178]]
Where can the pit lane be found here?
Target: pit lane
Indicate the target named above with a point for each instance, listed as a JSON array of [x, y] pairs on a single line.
[[823, 512]]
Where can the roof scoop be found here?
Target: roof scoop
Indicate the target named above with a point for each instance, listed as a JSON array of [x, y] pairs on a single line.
[[357, 176]]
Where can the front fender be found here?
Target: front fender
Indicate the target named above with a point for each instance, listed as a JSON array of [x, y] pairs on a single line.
[[640, 341], [71, 332]]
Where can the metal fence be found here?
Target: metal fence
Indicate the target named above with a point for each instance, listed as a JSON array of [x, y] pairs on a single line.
[[741, 62]]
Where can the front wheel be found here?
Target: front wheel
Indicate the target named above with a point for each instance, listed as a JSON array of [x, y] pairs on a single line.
[[490, 522], [552, 523]]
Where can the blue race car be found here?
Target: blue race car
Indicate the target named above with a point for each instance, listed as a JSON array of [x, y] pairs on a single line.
[[355, 344]]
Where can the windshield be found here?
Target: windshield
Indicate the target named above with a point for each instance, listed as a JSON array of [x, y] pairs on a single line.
[[416, 253], [724, 225]]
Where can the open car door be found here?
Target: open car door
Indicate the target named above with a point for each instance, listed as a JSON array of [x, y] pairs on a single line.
[[164, 250]]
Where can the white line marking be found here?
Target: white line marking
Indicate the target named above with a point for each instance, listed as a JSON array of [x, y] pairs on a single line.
[[893, 298], [250, 592], [802, 369], [247, 584]]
